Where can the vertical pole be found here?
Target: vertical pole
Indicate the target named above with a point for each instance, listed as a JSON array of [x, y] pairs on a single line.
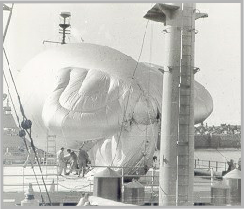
[[170, 110], [152, 186], [211, 172], [122, 185], [192, 11], [176, 176], [186, 113], [63, 38], [47, 153], [8, 22], [23, 180]]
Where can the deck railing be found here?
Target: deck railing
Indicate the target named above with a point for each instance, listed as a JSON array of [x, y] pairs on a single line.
[[216, 165], [33, 178], [149, 181]]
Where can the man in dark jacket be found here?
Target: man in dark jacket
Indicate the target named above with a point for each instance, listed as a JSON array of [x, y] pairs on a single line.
[[73, 162], [83, 158], [231, 165]]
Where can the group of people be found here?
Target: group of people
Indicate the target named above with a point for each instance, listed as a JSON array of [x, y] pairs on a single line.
[[77, 163]]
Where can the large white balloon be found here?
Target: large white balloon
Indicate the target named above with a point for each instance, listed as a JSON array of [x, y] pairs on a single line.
[[86, 92]]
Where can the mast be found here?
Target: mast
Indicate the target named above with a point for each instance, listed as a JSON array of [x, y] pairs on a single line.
[[176, 175], [64, 26]]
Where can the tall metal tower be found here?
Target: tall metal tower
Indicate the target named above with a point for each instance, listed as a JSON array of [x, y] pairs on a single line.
[[177, 124]]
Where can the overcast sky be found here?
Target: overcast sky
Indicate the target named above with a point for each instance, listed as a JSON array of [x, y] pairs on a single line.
[[122, 26]]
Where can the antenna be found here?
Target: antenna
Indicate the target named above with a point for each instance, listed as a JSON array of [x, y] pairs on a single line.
[[64, 26]]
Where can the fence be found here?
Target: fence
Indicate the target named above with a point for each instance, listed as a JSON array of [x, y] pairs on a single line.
[[21, 178], [150, 181], [208, 164]]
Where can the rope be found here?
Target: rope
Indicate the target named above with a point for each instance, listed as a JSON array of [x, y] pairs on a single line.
[[34, 171], [11, 100], [222, 155], [24, 120], [143, 40], [33, 147], [21, 129], [21, 107]]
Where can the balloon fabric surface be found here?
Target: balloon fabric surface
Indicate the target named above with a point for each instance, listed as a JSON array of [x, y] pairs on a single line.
[[98, 95]]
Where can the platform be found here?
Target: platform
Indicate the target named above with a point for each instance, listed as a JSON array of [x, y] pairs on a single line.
[[68, 189]]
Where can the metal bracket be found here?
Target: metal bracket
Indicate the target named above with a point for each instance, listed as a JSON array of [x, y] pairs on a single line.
[[6, 8], [161, 12], [196, 69], [165, 160], [165, 31], [182, 143], [161, 70], [200, 15]]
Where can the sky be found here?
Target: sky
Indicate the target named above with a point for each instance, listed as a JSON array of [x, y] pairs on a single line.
[[122, 26]]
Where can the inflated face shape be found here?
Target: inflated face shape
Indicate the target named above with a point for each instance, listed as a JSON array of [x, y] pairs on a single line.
[[86, 92]]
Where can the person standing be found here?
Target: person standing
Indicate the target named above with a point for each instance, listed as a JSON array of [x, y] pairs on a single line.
[[83, 158], [155, 159], [60, 161], [67, 160], [73, 163], [30, 158], [231, 165]]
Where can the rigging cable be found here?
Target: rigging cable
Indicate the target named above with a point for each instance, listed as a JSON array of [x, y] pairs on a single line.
[[21, 107], [124, 115], [24, 139], [27, 124]]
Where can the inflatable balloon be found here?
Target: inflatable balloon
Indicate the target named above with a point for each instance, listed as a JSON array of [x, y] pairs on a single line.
[[98, 95]]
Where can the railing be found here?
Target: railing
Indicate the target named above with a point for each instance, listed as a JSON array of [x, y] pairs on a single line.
[[22, 182], [149, 181], [216, 165]]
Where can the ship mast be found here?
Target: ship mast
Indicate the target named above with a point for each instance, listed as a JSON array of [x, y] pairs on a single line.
[[64, 28], [176, 175], [64, 25]]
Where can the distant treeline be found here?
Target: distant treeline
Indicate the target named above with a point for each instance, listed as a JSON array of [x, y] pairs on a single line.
[[223, 136], [223, 129]]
